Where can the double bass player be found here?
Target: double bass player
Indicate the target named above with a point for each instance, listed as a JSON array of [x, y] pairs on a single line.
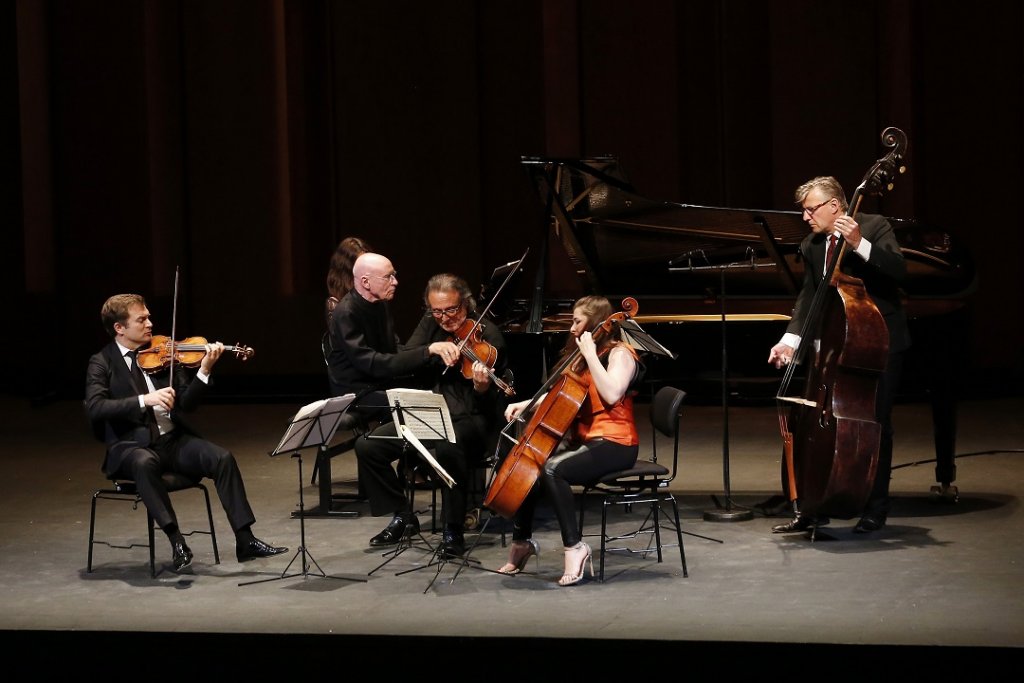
[[877, 261]]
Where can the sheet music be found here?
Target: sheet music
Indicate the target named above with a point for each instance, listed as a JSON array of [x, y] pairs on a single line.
[[425, 454], [638, 338], [424, 412], [314, 423]]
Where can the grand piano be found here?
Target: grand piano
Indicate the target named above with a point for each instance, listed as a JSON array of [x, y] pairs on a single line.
[[738, 267]]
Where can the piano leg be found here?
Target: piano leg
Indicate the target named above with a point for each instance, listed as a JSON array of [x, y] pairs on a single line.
[[946, 340]]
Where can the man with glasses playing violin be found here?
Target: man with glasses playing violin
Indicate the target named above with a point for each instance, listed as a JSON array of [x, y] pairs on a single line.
[[140, 419], [470, 389]]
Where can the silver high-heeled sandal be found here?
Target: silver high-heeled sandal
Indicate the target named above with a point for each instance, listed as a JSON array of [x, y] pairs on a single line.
[[532, 551], [572, 579]]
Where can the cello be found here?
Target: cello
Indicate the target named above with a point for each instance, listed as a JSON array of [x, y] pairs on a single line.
[[563, 396], [831, 436]]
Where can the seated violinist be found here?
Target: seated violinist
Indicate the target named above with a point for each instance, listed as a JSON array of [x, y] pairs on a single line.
[[473, 399], [603, 439], [140, 417]]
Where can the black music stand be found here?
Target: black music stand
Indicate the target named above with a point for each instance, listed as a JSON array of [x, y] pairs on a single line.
[[728, 513], [311, 427], [418, 416]]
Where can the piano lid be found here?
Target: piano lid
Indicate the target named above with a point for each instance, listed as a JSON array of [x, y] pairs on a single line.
[[624, 244]]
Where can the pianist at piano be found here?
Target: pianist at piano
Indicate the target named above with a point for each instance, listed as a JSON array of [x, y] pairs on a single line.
[[364, 351]]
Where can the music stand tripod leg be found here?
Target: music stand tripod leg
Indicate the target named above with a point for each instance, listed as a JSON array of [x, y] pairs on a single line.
[[406, 542], [301, 551], [467, 559]]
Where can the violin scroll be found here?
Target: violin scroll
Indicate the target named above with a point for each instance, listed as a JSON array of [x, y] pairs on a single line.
[[242, 353]]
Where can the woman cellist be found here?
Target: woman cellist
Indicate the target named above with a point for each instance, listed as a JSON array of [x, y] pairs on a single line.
[[603, 439], [878, 262]]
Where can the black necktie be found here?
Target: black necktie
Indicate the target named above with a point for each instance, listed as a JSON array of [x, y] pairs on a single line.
[[140, 381], [140, 384]]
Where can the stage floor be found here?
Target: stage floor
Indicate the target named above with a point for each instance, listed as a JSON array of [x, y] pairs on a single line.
[[941, 583]]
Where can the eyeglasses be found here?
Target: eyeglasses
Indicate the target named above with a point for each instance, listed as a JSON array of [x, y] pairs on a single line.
[[444, 312], [809, 210], [393, 275]]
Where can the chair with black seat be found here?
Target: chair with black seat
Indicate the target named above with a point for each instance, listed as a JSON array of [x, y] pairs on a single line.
[[646, 482], [353, 425], [126, 490]]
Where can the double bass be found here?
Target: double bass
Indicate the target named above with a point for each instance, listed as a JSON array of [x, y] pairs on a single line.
[[831, 436], [563, 396]]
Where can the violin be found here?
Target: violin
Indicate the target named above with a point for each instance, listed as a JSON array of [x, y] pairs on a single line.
[[473, 348], [189, 352]]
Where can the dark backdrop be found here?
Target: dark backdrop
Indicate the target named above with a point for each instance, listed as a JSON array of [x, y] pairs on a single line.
[[239, 140]]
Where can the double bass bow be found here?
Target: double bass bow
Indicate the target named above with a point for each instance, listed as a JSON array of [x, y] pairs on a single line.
[[831, 436], [563, 396]]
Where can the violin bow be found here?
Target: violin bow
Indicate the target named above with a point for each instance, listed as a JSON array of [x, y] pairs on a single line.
[[174, 326], [518, 264]]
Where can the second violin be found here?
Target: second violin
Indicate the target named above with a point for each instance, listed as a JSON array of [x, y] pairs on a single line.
[[475, 348]]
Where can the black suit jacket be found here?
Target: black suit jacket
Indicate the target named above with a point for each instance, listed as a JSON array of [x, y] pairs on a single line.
[[882, 275], [112, 404], [364, 351]]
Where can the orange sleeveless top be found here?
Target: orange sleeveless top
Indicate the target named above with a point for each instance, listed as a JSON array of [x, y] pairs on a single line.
[[613, 423]]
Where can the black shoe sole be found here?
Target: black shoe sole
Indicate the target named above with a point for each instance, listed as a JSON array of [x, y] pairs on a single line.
[[869, 528], [790, 529], [408, 533]]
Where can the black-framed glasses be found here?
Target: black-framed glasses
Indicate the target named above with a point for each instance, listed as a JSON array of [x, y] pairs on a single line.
[[809, 210], [444, 312]]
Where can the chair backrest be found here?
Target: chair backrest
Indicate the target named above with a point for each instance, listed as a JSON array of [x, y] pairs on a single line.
[[325, 346], [666, 414], [325, 341], [329, 305]]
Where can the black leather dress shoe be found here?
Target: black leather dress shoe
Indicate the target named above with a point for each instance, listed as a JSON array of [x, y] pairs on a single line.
[[798, 523], [396, 530], [181, 554], [868, 524], [255, 549], [453, 543]]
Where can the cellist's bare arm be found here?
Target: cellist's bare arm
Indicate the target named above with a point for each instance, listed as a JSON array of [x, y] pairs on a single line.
[[613, 381]]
